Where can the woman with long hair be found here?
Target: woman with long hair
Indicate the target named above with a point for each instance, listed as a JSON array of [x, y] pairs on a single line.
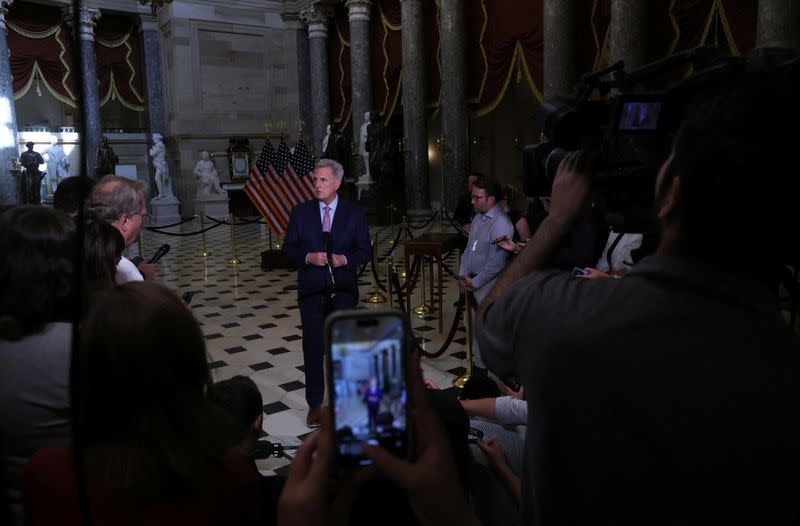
[[37, 247], [153, 448]]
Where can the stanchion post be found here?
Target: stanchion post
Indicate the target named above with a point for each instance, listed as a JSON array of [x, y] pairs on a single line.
[[205, 253], [376, 296], [441, 217], [389, 289], [423, 308], [404, 229], [461, 381], [234, 260], [139, 245]]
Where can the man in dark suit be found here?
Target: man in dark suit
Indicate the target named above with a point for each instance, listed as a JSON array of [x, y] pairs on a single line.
[[327, 265]]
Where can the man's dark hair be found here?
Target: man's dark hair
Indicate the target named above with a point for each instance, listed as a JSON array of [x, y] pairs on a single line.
[[71, 192], [491, 187], [738, 172], [239, 397]]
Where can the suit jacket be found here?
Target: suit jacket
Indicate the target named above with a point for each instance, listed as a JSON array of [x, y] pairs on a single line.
[[349, 236]]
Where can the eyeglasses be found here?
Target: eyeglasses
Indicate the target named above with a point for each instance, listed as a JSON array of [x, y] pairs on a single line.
[[477, 197]]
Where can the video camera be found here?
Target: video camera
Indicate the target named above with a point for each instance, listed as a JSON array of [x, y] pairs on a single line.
[[631, 128]]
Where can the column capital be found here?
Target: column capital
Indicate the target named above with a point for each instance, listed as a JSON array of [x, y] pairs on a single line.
[[4, 5], [316, 16], [358, 10], [87, 18], [292, 20], [148, 23]]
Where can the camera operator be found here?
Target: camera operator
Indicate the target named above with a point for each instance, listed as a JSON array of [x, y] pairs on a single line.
[[670, 395]]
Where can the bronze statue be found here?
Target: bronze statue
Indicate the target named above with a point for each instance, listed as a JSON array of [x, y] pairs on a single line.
[[106, 159], [31, 179]]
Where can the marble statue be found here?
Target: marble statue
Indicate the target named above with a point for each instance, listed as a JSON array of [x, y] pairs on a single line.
[[57, 164], [106, 158], [362, 147], [326, 139], [31, 179], [159, 155], [207, 176]]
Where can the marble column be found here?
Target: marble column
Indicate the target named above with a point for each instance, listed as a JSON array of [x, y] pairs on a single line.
[[560, 72], [452, 24], [630, 33], [316, 17], [93, 126], [9, 143], [778, 24], [360, 79], [415, 121], [151, 41], [292, 21]]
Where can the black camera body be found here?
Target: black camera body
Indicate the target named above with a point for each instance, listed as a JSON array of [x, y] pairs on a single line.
[[630, 129]]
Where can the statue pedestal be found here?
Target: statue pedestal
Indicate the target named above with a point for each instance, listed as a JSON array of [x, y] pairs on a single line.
[[164, 211], [363, 183], [214, 205]]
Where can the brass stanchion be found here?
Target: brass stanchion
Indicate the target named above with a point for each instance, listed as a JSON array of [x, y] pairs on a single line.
[[234, 260], [423, 308], [389, 269], [461, 381], [404, 229], [376, 296], [205, 253]]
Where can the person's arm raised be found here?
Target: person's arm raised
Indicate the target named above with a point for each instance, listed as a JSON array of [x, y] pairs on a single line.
[[571, 189]]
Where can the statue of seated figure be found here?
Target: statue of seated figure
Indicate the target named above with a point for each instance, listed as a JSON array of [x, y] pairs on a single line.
[[207, 176]]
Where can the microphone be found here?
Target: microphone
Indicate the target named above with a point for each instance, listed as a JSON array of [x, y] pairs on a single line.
[[162, 250], [326, 241]]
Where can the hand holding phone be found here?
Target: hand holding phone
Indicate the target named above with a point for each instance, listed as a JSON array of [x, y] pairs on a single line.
[[430, 479], [499, 239], [367, 382]]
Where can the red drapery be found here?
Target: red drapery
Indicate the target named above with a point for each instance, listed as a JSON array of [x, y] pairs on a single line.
[[40, 43], [118, 49], [339, 68], [386, 60], [505, 42]]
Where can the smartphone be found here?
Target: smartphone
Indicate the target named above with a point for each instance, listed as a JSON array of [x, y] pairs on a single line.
[[499, 239], [578, 272], [367, 382]]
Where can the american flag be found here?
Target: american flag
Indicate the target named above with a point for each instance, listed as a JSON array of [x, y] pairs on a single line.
[[266, 193], [300, 168], [290, 189]]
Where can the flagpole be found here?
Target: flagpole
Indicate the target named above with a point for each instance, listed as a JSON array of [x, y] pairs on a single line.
[[267, 126]]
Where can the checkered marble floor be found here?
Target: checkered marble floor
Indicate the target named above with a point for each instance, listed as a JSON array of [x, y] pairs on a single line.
[[251, 322]]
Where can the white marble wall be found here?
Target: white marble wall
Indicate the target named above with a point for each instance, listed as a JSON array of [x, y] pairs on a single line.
[[228, 69]]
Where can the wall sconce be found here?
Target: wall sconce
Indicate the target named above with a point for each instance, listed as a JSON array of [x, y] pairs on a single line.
[[444, 150], [402, 148]]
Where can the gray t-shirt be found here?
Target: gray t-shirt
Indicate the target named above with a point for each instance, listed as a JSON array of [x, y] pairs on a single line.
[[666, 396], [34, 399]]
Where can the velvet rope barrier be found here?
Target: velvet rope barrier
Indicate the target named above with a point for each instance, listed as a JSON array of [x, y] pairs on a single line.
[[428, 222], [240, 221], [183, 234], [174, 224], [407, 320]]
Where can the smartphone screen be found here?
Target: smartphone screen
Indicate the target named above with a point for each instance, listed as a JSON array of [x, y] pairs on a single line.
[[367, 382]]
